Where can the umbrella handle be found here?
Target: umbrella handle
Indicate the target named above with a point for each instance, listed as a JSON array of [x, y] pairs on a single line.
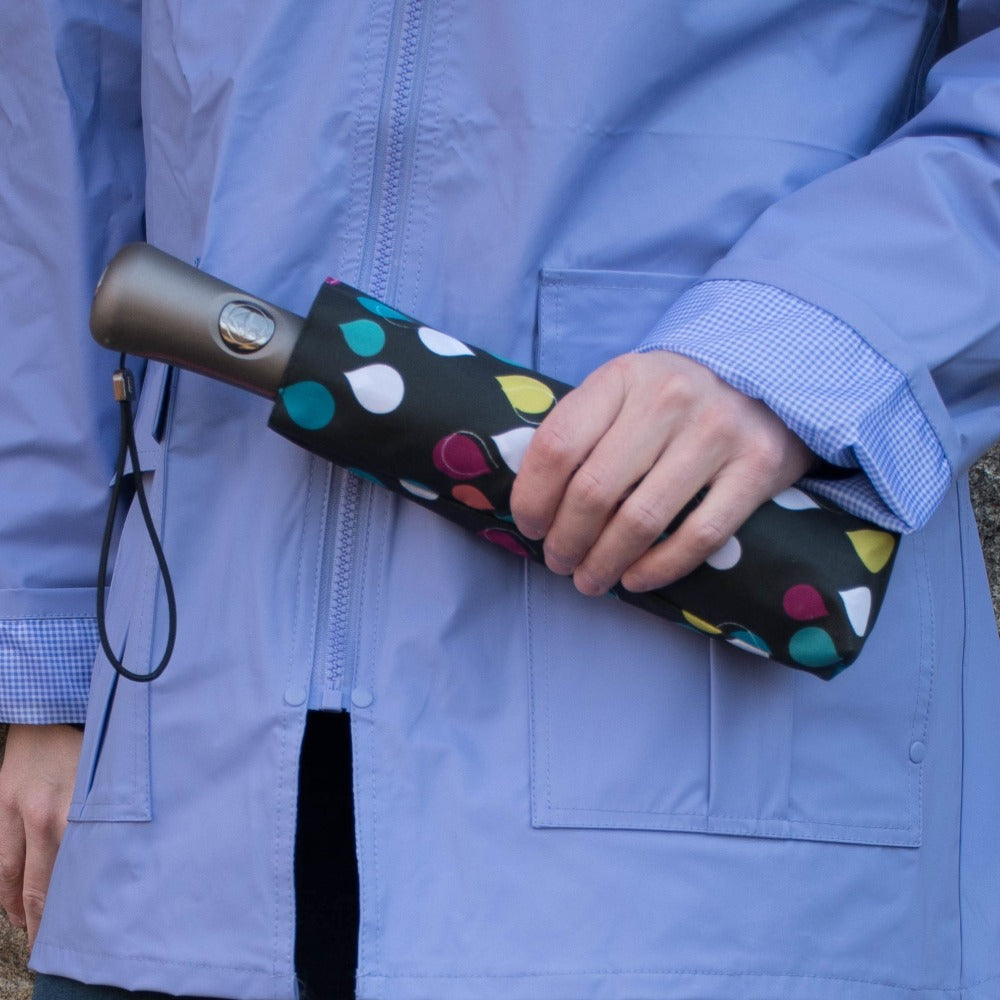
[[151, 304]]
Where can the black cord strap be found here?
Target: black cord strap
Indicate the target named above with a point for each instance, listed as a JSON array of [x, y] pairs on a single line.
[[124, 386]]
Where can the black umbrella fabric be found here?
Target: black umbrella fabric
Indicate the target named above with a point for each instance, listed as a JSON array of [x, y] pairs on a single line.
[[445, 424]]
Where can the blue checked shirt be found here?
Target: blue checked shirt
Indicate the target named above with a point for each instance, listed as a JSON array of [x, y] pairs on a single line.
[[45, 669], [805, 363], [848, 403]]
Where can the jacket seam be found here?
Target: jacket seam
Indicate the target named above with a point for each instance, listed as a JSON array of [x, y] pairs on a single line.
[[956, 990], [966, 628], [711, 817]]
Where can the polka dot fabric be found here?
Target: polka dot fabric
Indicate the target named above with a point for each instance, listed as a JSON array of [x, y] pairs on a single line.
[[446, 424]]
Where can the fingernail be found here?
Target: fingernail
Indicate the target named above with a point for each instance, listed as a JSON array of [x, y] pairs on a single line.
[[559, 565], [531, 529], [636, 584], [588, 584]]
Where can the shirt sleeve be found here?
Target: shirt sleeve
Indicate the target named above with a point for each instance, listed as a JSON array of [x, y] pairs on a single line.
[[863, 308], [71, 192], [849, 404], [45, 669]]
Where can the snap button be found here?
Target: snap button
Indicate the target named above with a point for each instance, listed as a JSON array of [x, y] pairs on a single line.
[[917, 752], [295, 694], [361, 698]]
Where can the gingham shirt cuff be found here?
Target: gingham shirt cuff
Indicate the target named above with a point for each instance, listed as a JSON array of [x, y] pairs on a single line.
[[849, 404], [45, 666]]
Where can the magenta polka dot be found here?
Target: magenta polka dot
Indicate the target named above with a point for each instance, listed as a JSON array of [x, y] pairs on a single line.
[[461, 456], [804, 603], [505, 540]]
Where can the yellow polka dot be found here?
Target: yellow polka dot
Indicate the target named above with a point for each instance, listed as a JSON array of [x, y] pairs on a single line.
[[526, 395], [700, 624], [874, 548]]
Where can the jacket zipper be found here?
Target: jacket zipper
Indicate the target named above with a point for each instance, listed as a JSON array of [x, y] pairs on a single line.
[[393, 149], [392, 158]]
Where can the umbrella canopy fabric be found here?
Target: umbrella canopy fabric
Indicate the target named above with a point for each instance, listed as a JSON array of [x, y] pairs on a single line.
[[445, 425]]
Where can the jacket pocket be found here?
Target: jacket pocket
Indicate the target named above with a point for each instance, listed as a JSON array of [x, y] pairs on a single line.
[[113, 780], [588, 317], [639, 724]]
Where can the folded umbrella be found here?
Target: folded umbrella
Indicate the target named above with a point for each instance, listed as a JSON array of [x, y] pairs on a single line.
[[445, 425]]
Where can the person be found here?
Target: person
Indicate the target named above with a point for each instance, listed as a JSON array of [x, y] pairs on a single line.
[[764, 238]]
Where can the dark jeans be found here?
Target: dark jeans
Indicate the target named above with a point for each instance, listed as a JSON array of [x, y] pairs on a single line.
[[326, 876]]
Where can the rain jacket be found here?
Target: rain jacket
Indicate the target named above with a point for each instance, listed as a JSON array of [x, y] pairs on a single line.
[[555, 798]]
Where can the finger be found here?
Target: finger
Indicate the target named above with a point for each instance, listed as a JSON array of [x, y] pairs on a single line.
[[12, 864], [678, 475], [562, 442], [623, 496], [703, 533], [44, 829]]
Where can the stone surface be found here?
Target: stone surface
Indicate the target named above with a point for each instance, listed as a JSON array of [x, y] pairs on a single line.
[[984, 480], [15, 982]]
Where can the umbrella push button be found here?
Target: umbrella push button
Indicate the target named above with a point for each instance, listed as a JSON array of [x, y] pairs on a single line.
[[245, 327]]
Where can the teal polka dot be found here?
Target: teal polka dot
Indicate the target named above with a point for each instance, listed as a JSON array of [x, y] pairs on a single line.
[[749, 640], [309, 404], [507, 361], [362, 474], [364, 336], [813, 647], [381, 309]]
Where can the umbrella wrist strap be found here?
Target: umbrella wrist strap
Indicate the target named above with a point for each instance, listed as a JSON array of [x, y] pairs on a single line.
[[124, 389]]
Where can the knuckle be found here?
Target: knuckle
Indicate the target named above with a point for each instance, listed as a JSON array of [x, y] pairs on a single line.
[[551, 447], [706, 534], [769, 456], [34, 902], [718, 423], [760, 469], [678, 390], [41, 818], [642, 519], [592, 491]]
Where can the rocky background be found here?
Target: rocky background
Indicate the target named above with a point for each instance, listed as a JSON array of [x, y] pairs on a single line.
[[15, 981]]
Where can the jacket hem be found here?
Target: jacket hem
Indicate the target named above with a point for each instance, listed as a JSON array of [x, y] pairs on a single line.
[[133, 972]]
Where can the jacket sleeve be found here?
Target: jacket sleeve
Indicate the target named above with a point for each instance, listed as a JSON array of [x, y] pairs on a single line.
[[865, 307], [71, 191]]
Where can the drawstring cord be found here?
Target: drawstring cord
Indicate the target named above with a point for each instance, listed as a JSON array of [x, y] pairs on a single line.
[[124, 388]]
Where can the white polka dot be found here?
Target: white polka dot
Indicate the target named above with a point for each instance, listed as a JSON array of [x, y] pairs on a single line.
[[726, 557], [378, 388], [441, 343], [742, 644], [513, 444], [793, 499], [858, 604], [418, 489]]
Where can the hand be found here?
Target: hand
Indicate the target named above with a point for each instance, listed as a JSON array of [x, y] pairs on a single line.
[[619, 457], [36, 784]]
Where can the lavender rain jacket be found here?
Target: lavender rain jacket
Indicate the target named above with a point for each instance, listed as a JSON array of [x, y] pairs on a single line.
[[555, 798]]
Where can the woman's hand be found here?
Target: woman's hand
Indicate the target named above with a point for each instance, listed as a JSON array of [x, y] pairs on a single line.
[[36, 784], [619, 457]]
